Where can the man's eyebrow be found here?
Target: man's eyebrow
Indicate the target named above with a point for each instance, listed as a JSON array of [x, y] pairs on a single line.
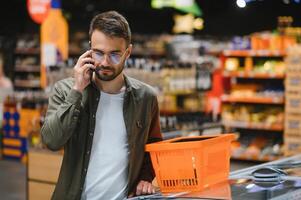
[[113, 51]]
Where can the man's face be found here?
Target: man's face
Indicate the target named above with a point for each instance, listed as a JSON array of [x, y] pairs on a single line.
[[109, 54]]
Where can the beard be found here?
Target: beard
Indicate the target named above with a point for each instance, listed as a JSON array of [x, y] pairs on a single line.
[[104, 76]]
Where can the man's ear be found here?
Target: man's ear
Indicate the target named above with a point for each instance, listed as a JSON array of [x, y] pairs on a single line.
[[129, 51]]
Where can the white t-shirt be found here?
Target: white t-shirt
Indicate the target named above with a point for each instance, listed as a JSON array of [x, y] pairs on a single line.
[[107, 175]]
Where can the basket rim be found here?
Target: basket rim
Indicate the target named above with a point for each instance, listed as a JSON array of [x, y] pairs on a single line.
[[170, 145]]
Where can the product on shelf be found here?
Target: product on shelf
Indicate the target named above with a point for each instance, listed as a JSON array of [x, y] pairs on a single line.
[[267, 66], [264, 41], [28, 42], [254, 97], [27, 63], [256, 116], [22, 119], [256, 148]]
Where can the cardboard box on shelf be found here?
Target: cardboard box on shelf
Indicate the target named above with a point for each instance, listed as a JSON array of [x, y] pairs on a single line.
[[293, 102], [293, 82], [292, 125], [292, 145]]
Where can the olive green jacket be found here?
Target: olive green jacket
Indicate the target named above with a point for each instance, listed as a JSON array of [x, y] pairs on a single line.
[[70, 124]]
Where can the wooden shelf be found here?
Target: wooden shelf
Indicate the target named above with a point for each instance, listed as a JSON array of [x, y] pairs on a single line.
[[178, 111], [255, 75], [255, 53], [27, 68], [256, 158], [255, 99], [255, 126], [27, 84], [148, 53], [27, 51], [179, 92]]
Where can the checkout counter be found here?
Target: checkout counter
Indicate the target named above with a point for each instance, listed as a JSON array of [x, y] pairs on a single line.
[[276, 180]]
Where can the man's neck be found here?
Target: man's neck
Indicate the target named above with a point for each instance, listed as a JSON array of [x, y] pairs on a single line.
[[111, 87]]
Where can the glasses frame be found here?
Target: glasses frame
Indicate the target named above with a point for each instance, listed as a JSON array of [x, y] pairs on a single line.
[[109, 57]]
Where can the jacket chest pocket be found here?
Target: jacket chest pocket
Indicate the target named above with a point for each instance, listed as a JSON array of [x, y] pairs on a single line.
[[140, 131]]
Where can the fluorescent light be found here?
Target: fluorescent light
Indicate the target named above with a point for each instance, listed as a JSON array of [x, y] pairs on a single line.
[[241, 3]]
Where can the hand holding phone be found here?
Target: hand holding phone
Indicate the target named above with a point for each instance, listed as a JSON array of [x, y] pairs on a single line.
[[83, 71]]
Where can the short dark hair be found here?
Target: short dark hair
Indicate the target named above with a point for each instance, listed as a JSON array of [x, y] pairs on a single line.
[[112, 24]]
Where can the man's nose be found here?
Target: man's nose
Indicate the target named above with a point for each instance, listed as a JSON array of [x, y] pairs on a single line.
[[106, 60]]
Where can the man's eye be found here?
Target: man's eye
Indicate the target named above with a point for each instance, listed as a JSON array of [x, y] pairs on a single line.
[[99, 54], [115, 54]]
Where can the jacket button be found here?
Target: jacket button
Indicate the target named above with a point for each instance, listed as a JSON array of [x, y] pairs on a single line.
[[93, 116], [88, 152], [91, 134], [85, 169]]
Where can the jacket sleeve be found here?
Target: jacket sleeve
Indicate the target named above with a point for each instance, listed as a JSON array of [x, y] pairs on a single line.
[[61, 117], [147, 172]]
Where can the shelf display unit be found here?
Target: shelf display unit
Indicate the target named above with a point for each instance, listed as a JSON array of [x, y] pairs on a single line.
[[253, 103], [292, 133], [27, 63]]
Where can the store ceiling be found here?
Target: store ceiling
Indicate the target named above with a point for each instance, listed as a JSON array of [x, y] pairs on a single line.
[[222, 17]]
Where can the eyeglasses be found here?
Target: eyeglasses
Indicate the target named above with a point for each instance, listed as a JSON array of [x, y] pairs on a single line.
[[114, 58]]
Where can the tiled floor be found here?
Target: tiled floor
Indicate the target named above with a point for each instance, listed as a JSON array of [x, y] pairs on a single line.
[[13, 178]]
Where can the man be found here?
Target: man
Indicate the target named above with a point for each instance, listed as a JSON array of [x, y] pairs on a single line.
[[103, 119]]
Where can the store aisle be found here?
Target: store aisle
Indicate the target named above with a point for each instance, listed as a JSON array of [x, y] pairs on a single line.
[[12, 180]]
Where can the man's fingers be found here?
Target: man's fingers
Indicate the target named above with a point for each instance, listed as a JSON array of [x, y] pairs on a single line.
[[88, 66], [150, 189], [86, 60], [139, 188], [131, 195], [145, 188], [86, 54]]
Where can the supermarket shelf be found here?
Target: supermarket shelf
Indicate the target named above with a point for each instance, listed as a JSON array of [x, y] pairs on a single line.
[[75, 53], [27, 68], [27, 84], [178, 111], [134, 53], [148, 53], [28, 51], [179, 92], [255, 126], [257, 100], [207, 128], [242, 74], [255, 53], [255, 158]]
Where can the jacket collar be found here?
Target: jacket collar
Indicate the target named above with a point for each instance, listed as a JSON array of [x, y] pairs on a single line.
[[131, 88]]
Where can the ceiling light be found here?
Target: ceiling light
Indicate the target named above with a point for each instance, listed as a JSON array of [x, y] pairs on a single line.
[[241, 3]]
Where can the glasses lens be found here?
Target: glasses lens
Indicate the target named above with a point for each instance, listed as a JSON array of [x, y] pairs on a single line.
[[97, 56], [115, 58]]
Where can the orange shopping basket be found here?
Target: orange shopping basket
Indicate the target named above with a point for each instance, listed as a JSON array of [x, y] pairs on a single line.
[[191, 163]]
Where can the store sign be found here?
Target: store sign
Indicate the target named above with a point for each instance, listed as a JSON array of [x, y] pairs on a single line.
[[187, 6], [38, 9]]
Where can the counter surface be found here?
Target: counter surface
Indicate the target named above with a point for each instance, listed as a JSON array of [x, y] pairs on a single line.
[[242, 185]]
